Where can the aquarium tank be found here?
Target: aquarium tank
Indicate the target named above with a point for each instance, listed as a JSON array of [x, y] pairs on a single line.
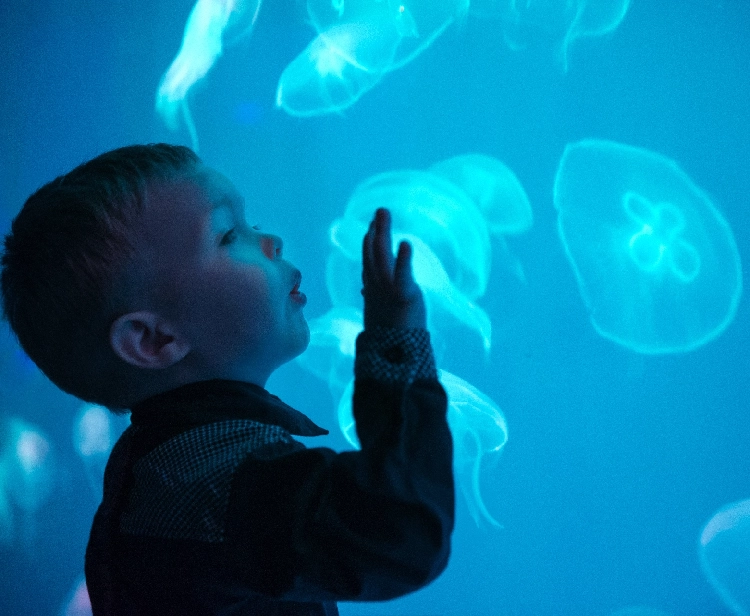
[[573, 177]]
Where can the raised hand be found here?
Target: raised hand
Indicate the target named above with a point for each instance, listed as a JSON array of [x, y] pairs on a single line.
[[392, 297]]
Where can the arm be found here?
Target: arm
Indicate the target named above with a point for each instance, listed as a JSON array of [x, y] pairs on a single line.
[[372, 524]]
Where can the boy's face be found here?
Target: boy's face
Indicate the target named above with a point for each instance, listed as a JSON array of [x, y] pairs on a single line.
[[232, 293]]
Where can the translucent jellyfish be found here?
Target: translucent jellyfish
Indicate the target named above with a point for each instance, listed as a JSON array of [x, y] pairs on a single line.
[[565, 20], [479, 433], [724, 549], [357, 43], [656, 263], [95, 430], [498, 194], [429, 273], [209, 26], [330, 354], [327, 76], [26, 478]]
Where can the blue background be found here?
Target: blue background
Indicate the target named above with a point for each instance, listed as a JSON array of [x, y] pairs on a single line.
[[615, 460]]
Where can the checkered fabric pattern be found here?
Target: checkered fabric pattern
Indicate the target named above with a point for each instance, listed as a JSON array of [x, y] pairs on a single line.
[[181, 488], [394, 355]]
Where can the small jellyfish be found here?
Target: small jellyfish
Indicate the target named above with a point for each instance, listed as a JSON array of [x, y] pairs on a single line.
[[26, 477], [95, 430], [563, 21], [330, 354], [479, 433], [207, 29], [656, 263], [724, 550], [498, 194]]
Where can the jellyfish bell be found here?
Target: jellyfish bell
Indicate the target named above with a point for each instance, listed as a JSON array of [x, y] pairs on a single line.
[[724, 550], [438, 212], [656, 263], [479, 432], [493, 187], [592, 18], [333, 71]]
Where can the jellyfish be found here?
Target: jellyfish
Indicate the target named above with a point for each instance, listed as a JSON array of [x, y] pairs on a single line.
[[330, 354], [479, 433], [95, 430], [357, 43], [724, 550], [429, 273], [656, 263], [563, 20], [26, 478], [327, 76], [209, 25], [498, 194]]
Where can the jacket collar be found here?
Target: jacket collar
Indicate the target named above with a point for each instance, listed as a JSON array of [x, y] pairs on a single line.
[[218, 400]]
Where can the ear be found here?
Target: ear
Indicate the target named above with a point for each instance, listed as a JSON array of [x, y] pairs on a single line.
[[146, 340]]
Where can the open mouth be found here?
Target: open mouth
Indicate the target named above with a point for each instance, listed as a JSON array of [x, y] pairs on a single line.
[[295, 293]]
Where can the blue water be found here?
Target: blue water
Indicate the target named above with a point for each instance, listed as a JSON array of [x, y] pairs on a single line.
[[615, 459]]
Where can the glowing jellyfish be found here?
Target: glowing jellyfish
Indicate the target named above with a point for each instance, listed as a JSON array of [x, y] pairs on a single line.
[[327, 77], [656, 263], [357, 43], [498, 194], [724, 549], [479, 433], [429, 273], [95, 431], [330, 354], [210, 24], [26, 477], [565, 20]]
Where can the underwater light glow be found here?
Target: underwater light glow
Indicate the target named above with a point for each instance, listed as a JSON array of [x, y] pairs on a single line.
[[656, 263]]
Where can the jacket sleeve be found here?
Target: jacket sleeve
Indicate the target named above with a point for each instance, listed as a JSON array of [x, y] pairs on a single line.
[[361, 525]]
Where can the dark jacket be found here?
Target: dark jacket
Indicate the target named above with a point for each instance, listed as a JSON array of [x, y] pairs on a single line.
[[211, 507]]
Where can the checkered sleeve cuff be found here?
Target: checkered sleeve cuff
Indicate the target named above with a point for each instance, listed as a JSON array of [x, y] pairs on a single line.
[[394, 355]]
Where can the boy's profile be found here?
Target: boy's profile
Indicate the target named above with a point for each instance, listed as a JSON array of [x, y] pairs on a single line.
[[135, 282]]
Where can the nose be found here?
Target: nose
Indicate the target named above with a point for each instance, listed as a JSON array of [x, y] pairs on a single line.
[[272, 245]]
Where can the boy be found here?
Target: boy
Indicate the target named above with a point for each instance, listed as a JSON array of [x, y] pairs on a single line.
[[135, 282]]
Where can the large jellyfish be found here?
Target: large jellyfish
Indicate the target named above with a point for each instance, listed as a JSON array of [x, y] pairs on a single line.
[[450, 239], [479, 433], [498, 194], [209, 26], [724, 550], [656, 263], [357, 42], [564, 20]]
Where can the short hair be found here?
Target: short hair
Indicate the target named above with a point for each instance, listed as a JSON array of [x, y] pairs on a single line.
[[68, 259]]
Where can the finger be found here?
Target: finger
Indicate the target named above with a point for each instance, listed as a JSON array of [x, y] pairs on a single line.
[[402, 273], [382, 246], [367, 255]]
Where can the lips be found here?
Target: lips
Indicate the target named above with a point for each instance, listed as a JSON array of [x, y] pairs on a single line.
[[296, 295]]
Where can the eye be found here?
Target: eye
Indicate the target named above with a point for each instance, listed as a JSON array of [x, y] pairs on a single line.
[[256, 227], [228, 237]]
